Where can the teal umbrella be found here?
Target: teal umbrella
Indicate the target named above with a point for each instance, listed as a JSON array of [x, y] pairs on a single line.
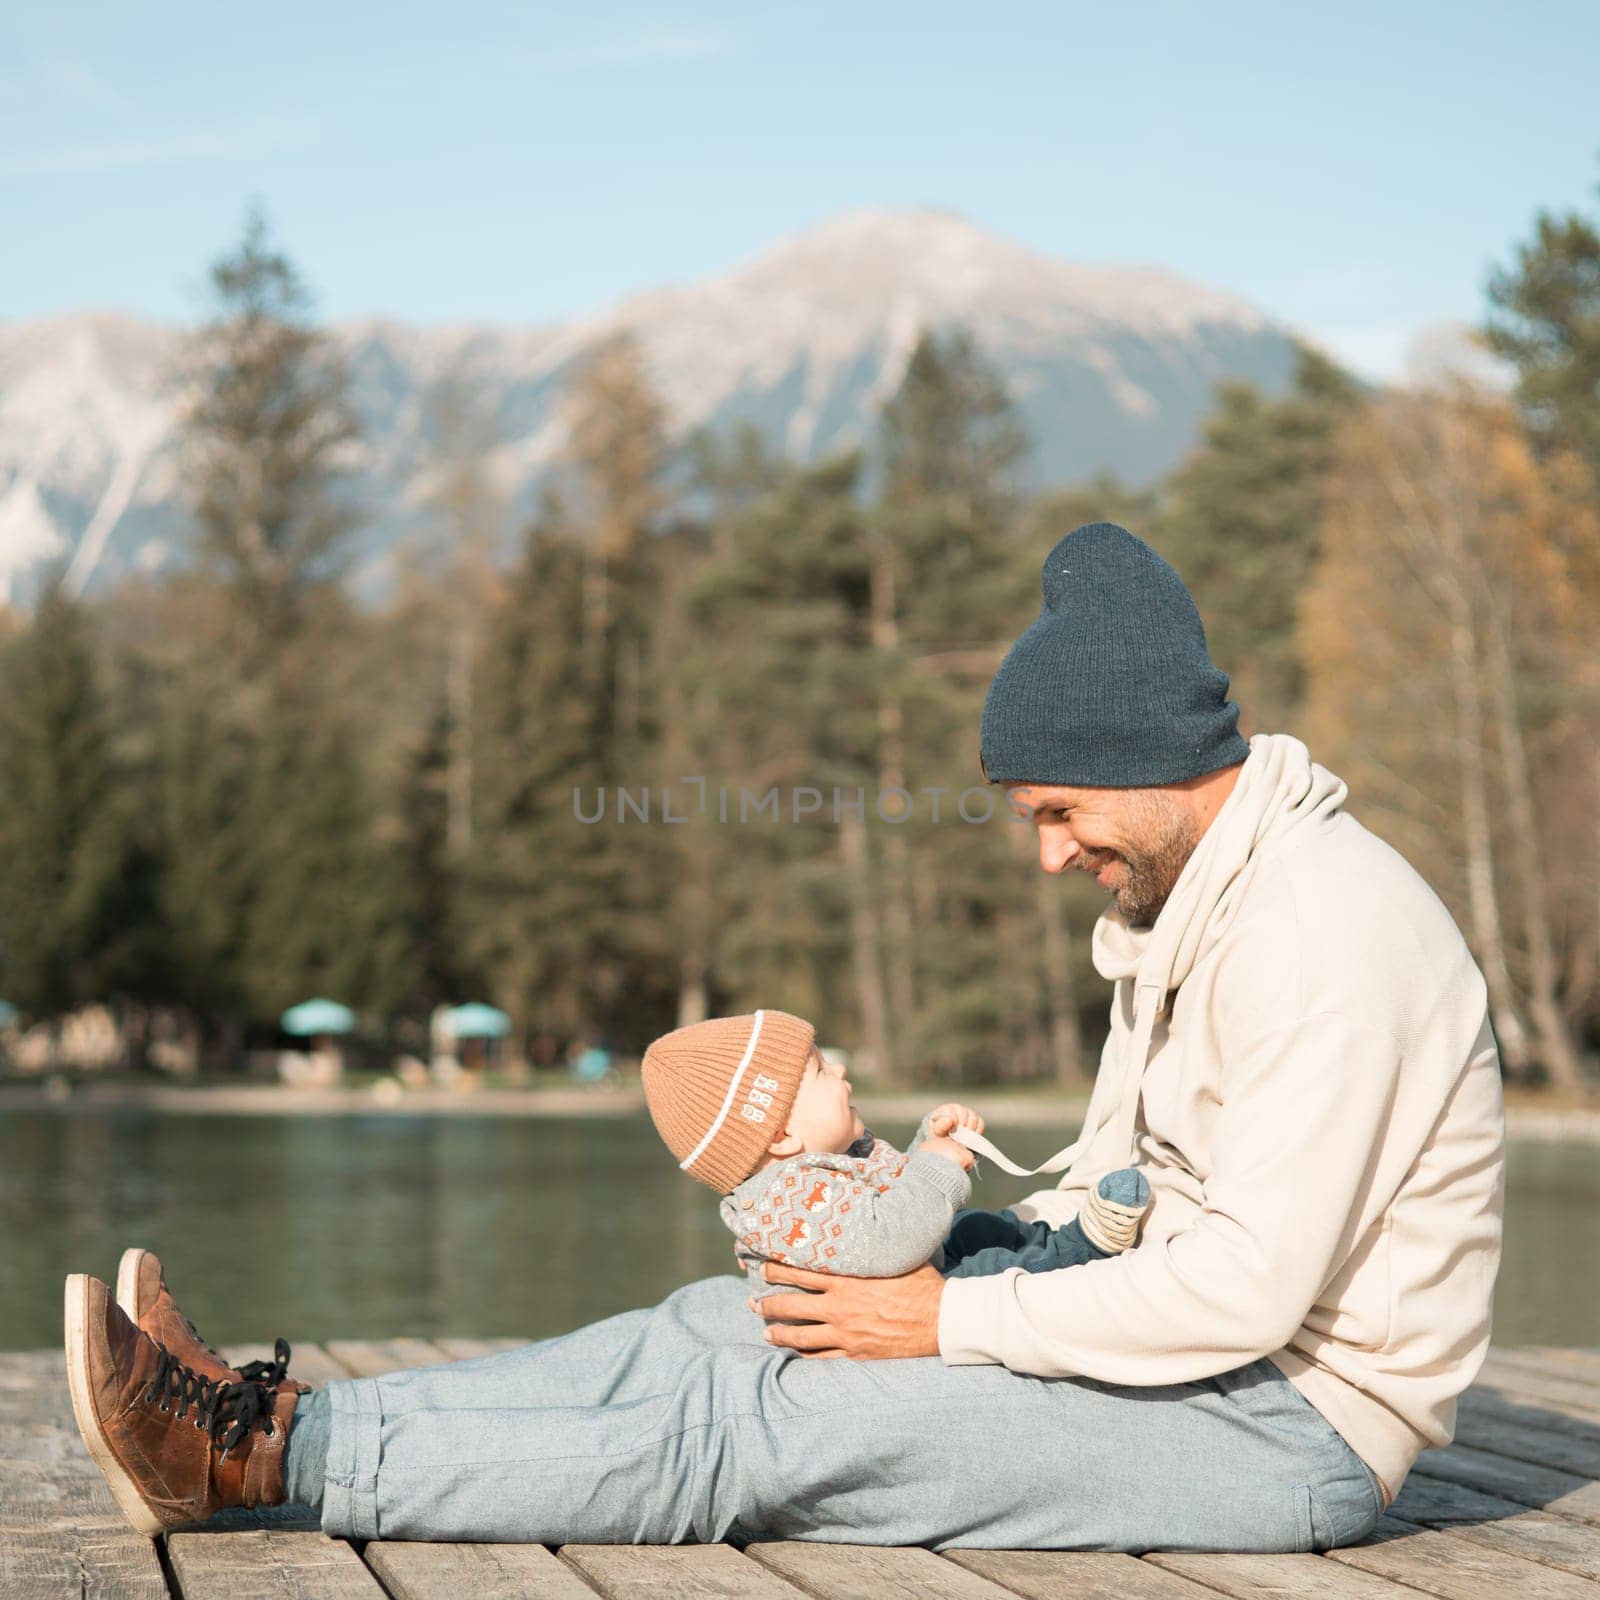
[[312, 1018], [8, 1013], [477, 1021]]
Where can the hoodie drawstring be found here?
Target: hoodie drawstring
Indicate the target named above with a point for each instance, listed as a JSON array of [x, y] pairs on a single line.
[[1147, 999], [1146, 1009]]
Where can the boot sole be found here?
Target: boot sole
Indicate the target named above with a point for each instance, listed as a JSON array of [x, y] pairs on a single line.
[[128, 1282], [130, 1502]]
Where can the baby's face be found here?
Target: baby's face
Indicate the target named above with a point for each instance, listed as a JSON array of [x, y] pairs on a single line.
[[822, 1117]]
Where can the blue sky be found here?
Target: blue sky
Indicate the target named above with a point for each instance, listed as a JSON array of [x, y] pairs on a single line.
[[1352, 170]]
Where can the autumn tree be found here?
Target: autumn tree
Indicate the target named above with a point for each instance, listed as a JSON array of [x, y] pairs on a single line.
[[1437, 634], [1545, 321]]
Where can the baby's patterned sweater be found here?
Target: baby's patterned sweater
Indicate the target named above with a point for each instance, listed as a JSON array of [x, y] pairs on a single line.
[[866, 1216]]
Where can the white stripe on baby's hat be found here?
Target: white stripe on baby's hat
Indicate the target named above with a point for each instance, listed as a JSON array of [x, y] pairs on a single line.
[[733, 1088]]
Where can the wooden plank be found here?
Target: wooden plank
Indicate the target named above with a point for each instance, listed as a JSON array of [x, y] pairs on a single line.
[[481, 1571], [1491, 1519], [1565, 1493], [1527, 1412], [268, 1564], [43, 1499], [92, 1564], [1573, 1368], [1534, 1534], [412, 1352], [1443, 1562], [23, 1375], [470, 1349], [372, 1358], [307, 1361], [51, 1485], [1561, 1391], [871, 1572], [1305, 1577], [684, 1571], [1551, 1358], [1429, 1502], [1077, 1575], [1492, 1422], [466, 1349], [49, 1441], [34, 1395], [1540, 1537]]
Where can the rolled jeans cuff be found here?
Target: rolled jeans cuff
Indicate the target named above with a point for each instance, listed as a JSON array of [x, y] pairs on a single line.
[[355, 1442]]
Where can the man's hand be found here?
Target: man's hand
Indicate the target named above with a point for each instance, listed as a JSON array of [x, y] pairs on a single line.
[[872, 1319]]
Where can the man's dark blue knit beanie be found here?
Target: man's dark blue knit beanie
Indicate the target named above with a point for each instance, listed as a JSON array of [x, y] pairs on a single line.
[[1113, 687]]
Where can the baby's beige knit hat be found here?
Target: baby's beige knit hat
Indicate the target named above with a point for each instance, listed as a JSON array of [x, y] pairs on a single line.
[[720, 1091]]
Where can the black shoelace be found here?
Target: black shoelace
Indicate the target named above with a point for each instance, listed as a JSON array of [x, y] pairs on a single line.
[[272, 1372], [227, 1411], [268, 1372]]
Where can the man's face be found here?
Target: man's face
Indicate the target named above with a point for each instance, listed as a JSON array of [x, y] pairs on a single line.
[[1134, 841]]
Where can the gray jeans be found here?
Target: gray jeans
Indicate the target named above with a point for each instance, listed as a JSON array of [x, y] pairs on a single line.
[[680, 1423]]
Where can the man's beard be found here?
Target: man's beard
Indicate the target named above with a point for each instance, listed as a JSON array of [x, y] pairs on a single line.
[[1152, 866]]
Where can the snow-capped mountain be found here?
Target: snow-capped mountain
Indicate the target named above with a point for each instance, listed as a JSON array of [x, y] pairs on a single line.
[[1110, 367]]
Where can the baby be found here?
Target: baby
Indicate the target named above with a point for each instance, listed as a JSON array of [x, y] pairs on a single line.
[[751, 1108]]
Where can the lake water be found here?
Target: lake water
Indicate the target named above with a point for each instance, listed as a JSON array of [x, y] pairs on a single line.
[[373, 1226]]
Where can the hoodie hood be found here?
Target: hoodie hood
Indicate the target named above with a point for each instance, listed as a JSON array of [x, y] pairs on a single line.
[[1280, 792]]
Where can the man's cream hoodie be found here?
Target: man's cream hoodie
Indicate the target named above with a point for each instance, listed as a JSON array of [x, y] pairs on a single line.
[[1321, 1123]]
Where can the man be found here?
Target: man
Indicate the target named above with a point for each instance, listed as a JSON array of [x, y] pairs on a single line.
[[1299, 1060]]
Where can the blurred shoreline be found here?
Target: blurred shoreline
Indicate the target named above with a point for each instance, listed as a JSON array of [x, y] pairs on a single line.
[[1552, 1122]]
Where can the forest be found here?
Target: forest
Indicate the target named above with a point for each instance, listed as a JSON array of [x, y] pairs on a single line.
[[229, 788]]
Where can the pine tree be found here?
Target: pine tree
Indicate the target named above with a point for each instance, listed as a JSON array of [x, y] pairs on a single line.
[[66, 882], [539, 905], [616, 455], [767, 665], [949, 432], [207, 878], [264, 429], [1546, 323], [1240, 521], [429, 860], [327, 914], [961, 923]]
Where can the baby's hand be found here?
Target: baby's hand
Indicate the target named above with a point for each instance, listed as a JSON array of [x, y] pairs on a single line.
[[950, 1150], [945, 1119]]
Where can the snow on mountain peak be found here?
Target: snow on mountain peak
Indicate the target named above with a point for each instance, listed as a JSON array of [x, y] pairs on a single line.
[[951, 268], [1111, 367]]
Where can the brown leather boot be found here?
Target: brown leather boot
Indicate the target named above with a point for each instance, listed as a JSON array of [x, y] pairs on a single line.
[[174, 1447], [144, 1297]]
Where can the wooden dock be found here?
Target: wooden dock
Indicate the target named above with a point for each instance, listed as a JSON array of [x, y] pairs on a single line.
[[1511, 1510]]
